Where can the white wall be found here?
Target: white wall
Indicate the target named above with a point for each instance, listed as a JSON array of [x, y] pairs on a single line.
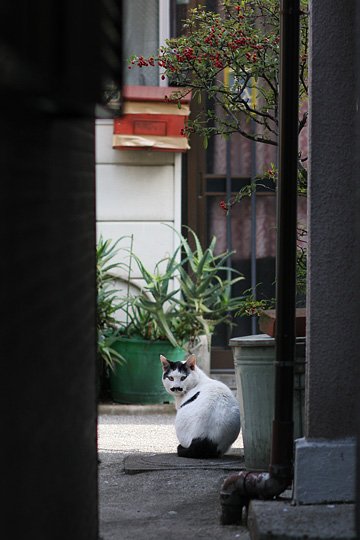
[[138, 192]]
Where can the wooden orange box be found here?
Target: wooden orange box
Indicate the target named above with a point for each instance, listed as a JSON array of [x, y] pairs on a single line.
[[151, 121]]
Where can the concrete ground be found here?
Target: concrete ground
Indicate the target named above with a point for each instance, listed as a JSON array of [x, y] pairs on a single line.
[[147, 492]]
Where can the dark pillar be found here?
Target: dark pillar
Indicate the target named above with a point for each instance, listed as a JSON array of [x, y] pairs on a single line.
[[54, 60], [357, 263], [49, 461], [332, 310]]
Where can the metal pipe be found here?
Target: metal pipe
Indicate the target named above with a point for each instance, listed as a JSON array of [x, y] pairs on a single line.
[[228, 219], [238, 489], [285, 335], [253, 229], [228, 197]]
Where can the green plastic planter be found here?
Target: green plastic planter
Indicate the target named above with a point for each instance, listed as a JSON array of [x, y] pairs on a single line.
[[139, 379], [254, 358]]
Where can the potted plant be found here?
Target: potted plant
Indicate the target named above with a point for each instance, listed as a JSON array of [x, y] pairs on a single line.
[[147, 329], [107, 304], [206, 300], [254, 362], [182, 300]]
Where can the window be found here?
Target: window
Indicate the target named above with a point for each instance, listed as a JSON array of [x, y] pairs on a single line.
[[147, 27]]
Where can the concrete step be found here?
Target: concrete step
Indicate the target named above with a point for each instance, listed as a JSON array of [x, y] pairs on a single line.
[[281, 520]]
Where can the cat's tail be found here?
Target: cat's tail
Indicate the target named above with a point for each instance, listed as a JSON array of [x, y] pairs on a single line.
[[200, 449]]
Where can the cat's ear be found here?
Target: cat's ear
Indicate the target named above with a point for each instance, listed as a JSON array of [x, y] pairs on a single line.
[[191, 361], [165, 362]]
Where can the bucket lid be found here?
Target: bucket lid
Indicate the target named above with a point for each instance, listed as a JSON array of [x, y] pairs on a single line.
[[258, 340]]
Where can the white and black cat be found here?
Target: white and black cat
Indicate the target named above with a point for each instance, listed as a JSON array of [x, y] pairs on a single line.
[[208, 417]]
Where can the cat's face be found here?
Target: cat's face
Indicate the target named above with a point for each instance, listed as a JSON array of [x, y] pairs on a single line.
[[178, 377]]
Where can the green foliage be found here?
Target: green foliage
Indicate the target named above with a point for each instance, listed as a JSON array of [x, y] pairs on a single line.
[[205, 283], [233, 57], [253, 306], [183, 297], [151, 314], [107, 301]]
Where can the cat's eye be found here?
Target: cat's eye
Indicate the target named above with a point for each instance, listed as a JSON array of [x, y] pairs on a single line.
[[171, 378], [182, 378]]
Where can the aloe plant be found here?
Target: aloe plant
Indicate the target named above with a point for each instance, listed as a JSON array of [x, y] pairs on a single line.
[[185, 298], [152, 314], [206, 299]]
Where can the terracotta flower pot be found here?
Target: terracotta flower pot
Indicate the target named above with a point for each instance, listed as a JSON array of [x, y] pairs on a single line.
[[267, 322]]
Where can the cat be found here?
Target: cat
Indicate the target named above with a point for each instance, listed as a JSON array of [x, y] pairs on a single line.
[[208, 416]]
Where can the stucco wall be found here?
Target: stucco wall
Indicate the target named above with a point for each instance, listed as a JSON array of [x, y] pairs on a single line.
[[332, 344], [138, 192]]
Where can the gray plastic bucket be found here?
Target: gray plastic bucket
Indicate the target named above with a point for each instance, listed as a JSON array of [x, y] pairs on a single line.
[[254, 358]]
